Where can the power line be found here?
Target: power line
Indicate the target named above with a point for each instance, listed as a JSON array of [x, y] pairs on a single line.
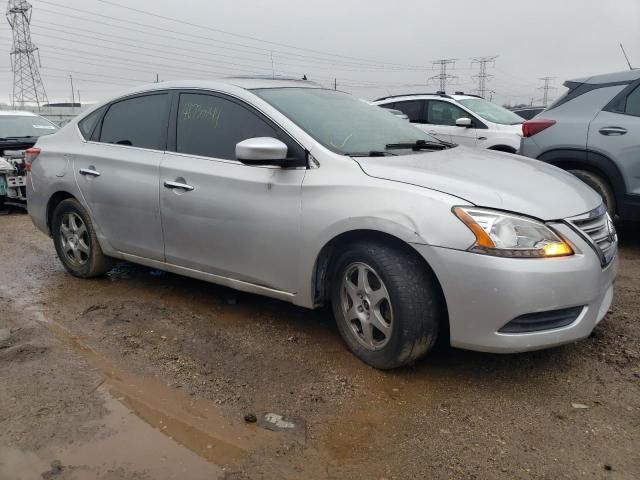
[[443, 77], [482, 75], [27, 82], [356, 61], [246, 37]]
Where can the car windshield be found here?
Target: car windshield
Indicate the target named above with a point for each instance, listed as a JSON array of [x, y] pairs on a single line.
[[12, 126], [491, 112], [342, 123]]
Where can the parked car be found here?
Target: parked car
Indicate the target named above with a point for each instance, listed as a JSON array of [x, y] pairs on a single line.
[[527, 112], [18, 131], [462, 119], [593, 131], [285, 189]]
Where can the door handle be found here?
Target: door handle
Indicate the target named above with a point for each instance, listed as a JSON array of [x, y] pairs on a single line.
[[89, 171], [182, 186], [612, 131]]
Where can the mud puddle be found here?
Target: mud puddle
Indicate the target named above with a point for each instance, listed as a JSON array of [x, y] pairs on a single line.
[[129, 446], [152, 428]]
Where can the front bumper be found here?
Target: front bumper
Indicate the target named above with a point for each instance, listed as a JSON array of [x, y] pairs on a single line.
[[483, 293]]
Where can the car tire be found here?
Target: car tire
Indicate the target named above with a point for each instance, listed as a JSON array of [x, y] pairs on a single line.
[[391, 316], [76, 243], [601, 186]]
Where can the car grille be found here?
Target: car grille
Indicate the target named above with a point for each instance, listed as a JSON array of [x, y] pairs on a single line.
[[597, 228]]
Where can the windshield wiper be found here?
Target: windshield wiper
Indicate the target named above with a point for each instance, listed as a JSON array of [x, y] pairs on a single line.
[[420, 145], [372, 153]]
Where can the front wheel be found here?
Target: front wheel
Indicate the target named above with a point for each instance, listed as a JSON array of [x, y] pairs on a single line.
[[76, 243], [601, 186], [386, 304]]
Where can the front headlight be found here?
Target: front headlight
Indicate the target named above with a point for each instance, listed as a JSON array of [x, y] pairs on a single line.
[[506, 235]]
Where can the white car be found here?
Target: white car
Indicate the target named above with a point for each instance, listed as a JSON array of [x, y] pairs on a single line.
[[462, 119]]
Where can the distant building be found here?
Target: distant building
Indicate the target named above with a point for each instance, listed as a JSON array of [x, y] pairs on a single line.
[[58, 113]]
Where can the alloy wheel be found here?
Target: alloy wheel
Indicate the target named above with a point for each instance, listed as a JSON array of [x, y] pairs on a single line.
[[74, 238], [366, 306]]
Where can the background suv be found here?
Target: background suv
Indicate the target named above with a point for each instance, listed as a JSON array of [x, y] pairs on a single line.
[[461, 119], [593, 131]]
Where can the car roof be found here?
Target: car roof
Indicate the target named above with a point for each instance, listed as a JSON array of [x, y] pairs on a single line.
[[624, 76], [227, 84], [17, 113]]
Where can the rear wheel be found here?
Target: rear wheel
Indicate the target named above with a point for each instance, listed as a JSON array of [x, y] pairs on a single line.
[[76, 243], [386, 304], [601, 186]]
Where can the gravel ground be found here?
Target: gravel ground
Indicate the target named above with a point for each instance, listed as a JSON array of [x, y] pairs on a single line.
[[144, 374]]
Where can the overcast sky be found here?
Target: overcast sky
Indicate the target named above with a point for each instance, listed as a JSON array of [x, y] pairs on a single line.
[[372, 47]]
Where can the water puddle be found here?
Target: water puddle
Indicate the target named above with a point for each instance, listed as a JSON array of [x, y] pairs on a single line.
[[151, 428], [193, 423]]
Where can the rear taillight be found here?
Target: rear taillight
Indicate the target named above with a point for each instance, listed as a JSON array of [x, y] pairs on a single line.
[[531, 127], [29, 156]]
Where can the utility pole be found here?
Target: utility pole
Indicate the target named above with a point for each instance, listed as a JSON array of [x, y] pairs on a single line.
[[444, 77], [27, 82], [335, 84], [273, 69], [483, 76], [73, 93], [545, 88], [157, 78]]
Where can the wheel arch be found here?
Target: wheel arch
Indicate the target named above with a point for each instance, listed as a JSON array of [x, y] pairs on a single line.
[[322, 267], [53, 202], [593, 162]]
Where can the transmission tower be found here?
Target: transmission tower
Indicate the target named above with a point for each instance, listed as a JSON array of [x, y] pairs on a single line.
[[545, 88], [483, 76], [27, 83], [444, 77]]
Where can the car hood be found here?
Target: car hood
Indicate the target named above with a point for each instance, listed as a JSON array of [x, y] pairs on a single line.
[[490, 179]]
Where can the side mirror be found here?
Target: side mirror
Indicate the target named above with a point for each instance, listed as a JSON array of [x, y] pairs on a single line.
[[262, 151], [463, 122]]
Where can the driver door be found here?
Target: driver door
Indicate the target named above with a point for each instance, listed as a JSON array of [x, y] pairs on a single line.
[[229, 219], [441, 118]]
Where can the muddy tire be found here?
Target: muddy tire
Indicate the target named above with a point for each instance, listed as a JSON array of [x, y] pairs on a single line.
[[601, 186], [76, 243], [386, 304]]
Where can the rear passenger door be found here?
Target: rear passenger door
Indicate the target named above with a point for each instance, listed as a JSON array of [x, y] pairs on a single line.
[[117, 173], [615, 133], [233, 220]]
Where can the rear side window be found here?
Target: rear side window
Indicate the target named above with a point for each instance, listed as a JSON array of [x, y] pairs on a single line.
[[137, 122], [414, 109], [211, 126], [88, 124]]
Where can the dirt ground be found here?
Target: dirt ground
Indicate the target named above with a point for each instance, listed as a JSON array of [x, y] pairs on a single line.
[[148, 375]]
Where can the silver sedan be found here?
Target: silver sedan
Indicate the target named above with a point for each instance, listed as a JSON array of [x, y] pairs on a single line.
[[308, 195]]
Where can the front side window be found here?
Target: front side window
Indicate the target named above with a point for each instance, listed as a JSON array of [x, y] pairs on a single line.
[[491, 112], [341, 122], [21, 126], [412, 109], [211, 126], [137, 122], [444, 113]]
